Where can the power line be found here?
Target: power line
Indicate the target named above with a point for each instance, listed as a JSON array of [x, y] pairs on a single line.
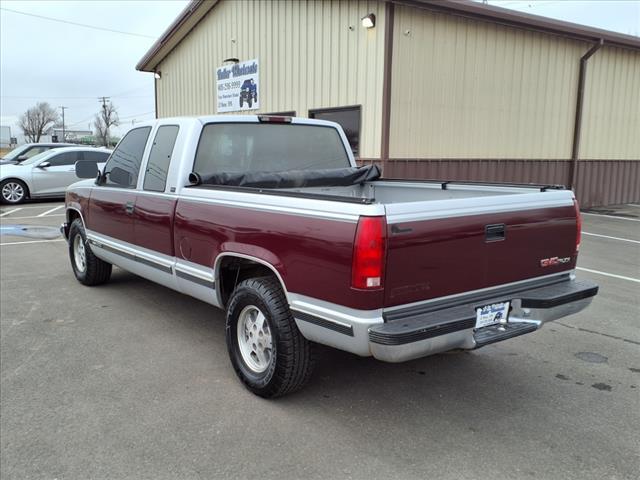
[[68, 22]]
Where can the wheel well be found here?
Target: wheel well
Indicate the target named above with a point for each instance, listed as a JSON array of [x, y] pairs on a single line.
[[233, 270], [72, 215], [26, 186]]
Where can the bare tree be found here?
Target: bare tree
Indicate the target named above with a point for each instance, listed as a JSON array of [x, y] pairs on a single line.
[[35, 121], [107, 118]]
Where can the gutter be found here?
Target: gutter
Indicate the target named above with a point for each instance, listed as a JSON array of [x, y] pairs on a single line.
[[577, 126]]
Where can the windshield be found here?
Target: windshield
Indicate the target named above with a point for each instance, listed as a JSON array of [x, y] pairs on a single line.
[[15, 152], [36, 158], [268, 147]]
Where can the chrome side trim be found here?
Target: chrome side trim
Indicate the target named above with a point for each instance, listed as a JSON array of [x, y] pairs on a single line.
[[334, 321], [195, 279], [323, 322], [151, 260]]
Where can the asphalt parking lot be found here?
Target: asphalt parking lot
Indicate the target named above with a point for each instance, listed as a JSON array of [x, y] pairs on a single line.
[[132, 380]]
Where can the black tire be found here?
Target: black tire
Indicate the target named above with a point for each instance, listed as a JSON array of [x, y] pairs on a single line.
[[96, 271], [249, 102], [292, 358], [15, 183], [241, 101]]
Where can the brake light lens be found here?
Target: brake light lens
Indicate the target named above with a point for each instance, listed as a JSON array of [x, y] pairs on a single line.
[[369, 253], [578, 224]]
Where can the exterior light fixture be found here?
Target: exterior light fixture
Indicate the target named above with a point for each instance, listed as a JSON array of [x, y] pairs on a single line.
[[157, 75], [369, 21], [230, 60]]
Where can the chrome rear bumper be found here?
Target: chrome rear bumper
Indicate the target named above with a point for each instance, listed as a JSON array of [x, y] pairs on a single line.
[[415, 333]]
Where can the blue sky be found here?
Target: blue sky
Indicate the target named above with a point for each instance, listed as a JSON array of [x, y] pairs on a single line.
[[69, 65]]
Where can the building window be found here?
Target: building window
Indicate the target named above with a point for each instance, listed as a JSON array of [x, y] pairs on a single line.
[[349, 120]]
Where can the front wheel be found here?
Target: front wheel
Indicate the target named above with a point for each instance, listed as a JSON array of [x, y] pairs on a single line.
[[267, 351], [88, 269], [13, 191]]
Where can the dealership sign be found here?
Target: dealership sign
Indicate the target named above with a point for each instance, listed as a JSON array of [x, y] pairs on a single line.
[[238, 87]]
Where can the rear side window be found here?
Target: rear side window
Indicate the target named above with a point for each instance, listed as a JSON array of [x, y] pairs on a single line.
[[268, 147], [66, 158], [155, 177], [98, 157], [123, 166]]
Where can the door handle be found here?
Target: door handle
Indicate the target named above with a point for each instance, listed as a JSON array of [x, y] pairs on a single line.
[[129, 207]]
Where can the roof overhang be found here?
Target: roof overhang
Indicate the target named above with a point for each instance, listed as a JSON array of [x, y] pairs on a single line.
[[505, 16], [197, 9], [180, 28]]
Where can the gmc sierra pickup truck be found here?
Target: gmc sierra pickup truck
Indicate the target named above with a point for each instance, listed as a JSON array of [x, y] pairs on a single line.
[[270, 219]]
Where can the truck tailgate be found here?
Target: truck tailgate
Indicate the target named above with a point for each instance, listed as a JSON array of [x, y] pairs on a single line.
[[469, 249]]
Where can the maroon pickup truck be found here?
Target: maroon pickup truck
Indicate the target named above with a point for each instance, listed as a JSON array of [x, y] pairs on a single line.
[[270, 219]]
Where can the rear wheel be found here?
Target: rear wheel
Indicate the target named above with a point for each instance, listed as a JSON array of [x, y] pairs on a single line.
[[88, 269], [267, 351], [13, 191]]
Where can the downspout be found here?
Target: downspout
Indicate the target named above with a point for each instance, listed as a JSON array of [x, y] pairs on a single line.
[[386, 84], [577, 127], [155, 94]]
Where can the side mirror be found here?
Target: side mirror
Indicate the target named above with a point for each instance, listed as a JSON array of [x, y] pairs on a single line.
[[44, 164], [86, 169], [22, 158]]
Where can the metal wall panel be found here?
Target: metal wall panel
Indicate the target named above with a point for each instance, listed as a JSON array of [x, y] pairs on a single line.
[[309, 58], [611, 125], [464, 88]]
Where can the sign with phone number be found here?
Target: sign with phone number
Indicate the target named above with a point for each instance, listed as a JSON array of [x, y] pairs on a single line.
[[237, 87]]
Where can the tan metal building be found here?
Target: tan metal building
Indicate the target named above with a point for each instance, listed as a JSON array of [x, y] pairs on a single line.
[[431, 89]]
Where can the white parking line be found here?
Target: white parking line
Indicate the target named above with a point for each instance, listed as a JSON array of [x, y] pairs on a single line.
[[35, 216], [50, 211], [9, 212], [43, 205], [611, 238], [32, 241], [598, 272], [611, 216]]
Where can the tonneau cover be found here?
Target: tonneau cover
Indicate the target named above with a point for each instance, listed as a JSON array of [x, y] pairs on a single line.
[[333, 177]]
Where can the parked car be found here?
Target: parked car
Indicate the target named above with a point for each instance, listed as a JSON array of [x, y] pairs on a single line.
[[270, 219], [28, 150], [47, 174], [248, 92]]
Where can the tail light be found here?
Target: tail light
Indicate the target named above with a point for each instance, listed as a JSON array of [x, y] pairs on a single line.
[[369, 253], [578, 224]]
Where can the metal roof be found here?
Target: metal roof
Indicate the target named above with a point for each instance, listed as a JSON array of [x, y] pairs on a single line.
[[197, 9]]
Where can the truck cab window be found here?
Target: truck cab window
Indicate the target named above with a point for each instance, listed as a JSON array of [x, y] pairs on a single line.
[[123, 166], [264, 147], [155, 177]]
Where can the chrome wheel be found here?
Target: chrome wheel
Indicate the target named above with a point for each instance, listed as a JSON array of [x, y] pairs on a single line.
[[254, 339], [79, 253], [12, 192]]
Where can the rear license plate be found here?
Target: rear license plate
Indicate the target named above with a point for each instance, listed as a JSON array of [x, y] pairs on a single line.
[[492, 314]]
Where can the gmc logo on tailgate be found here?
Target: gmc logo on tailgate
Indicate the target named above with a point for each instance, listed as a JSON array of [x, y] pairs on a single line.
[[549, 262]]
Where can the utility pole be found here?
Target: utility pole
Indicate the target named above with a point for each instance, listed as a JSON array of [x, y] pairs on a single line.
[[63, 132]]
